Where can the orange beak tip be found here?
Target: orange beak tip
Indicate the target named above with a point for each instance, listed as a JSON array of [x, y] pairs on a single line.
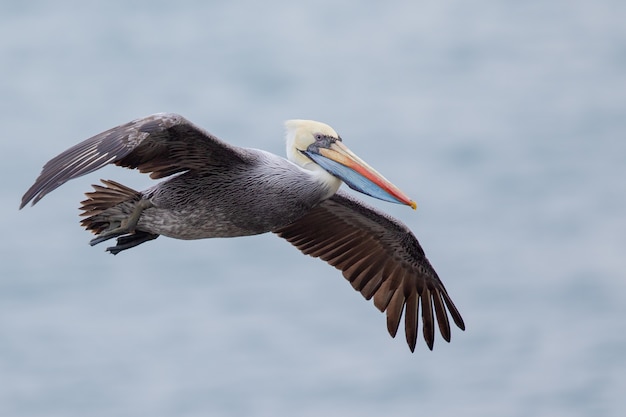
[[413, 205]]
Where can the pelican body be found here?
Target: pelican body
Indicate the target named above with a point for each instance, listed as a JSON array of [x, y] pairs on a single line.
[[214, 189]]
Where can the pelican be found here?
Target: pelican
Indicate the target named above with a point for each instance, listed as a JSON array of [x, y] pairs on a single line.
[[214, 189]]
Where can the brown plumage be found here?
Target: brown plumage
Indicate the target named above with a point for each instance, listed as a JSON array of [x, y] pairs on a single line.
[[381, 258]]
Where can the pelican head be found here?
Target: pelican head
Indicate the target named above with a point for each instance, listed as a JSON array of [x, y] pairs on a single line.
[[316, 146]]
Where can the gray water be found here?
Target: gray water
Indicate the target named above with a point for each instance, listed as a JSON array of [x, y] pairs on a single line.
[[505, 120]]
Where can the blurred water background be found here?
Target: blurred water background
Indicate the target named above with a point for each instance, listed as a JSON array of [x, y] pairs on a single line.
[[505, 120]]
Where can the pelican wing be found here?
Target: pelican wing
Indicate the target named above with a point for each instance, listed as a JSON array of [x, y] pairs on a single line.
[[161, 144], [382, 259]]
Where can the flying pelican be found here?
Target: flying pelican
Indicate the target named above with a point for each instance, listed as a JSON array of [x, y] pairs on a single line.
[[215, 189]]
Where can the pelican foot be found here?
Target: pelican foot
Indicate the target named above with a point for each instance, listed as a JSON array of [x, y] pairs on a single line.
[[130, 241], [128, 225]]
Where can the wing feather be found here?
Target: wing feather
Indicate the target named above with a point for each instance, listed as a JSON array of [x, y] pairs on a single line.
[[161, 144], [382, 259]]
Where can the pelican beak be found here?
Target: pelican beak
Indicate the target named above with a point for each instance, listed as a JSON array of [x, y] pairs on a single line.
[[338, 160]]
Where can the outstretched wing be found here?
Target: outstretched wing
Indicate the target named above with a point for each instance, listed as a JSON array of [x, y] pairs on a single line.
[[161, 144], [382, 259]]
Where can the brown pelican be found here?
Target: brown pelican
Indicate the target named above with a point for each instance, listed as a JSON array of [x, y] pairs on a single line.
[[219, 190]]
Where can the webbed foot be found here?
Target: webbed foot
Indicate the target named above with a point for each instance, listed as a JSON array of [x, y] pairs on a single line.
[[130, 241]]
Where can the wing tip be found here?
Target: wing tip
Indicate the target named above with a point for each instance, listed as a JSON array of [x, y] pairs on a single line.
[[31, 197]]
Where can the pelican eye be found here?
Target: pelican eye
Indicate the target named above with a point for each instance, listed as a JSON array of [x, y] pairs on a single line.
[[324, 141]]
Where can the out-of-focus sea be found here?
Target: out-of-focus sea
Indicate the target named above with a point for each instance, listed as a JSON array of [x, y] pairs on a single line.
[[505, 120]]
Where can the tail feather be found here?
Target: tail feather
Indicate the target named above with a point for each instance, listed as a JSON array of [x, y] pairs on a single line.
[[107, 206]]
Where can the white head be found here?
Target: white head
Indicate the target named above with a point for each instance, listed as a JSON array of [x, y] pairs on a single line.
[[300, 135], [316, 147]]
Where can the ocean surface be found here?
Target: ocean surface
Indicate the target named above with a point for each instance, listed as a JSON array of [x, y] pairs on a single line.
[[504, 120]]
